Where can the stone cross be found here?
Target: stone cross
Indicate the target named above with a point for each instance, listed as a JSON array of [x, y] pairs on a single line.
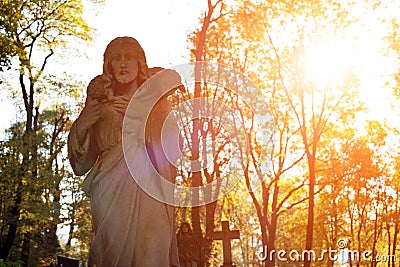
[[226, 235]]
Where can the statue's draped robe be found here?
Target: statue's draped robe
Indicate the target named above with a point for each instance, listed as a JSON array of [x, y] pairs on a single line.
[[131, 228]]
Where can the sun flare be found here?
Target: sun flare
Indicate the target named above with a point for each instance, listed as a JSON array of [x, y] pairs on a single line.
[[360, 57], [329, 62]]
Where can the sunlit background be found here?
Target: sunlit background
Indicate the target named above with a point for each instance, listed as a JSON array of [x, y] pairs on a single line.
[[163, 26]]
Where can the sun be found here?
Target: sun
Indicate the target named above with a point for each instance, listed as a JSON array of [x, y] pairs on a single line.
[[330, 62], [360, 57]]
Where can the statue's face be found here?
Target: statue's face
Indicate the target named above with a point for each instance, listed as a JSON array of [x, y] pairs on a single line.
[[124, 65]]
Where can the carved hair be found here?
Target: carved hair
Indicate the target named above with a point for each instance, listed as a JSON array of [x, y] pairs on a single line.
[[189, 230], [138, 52]]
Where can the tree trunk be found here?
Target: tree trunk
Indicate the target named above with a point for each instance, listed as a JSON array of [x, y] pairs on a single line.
[[273, 227], [208, 241], [26, 245], [396, 228], [15, 212], [395, 234], [310, 218]]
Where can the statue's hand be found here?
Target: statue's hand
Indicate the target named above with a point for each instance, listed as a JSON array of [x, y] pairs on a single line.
[[89, 115], [120, 104]]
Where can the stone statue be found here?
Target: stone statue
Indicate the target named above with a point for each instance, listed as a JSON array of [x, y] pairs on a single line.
[[187, 246], [131, 228]]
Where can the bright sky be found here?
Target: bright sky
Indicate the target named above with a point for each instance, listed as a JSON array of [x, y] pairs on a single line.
[[161, 26], [365, 53]]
